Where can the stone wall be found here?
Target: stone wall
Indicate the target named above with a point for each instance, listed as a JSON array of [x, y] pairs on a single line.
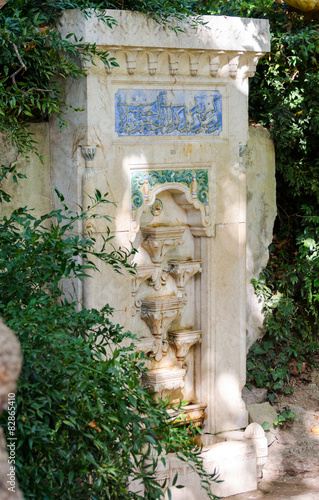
[[35, 191], [259, 159]]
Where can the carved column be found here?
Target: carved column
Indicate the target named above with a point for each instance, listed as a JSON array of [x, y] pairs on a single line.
[[89, 225]]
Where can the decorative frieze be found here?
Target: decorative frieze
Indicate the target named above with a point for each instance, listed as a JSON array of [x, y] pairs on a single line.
[[196, 180], [221, 64]]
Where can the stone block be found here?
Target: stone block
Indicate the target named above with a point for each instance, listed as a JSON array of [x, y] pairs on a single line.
[[168, 124], [234, 461], [259, 161], [254, 396], [261, 413]]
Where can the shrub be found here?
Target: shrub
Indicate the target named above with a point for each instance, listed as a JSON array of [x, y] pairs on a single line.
[[284, 97], [84, 423]]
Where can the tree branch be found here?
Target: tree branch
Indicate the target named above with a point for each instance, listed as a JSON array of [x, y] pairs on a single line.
[[23, 66]]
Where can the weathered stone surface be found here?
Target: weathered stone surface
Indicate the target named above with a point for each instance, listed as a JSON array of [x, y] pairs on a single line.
[[259, 160], [234, 461], [255, 396], [10, 366], [35, 190], [219, 32], [9, 152], [261, 413]]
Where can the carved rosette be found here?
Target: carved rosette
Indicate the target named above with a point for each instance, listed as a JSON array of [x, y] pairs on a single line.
[[183, 270], [161, 379], [158, 241], [183, 340]]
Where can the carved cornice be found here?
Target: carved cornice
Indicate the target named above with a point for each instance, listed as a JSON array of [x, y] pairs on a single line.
[[203, 63], [221, 41]]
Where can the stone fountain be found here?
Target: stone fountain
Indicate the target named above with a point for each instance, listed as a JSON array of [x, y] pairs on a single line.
[[169, 125]]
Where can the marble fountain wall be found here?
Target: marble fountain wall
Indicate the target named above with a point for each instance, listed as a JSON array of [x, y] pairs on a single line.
[[164, 134]]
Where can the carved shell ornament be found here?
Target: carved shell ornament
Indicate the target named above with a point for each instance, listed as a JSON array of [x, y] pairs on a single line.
[[147, 185]]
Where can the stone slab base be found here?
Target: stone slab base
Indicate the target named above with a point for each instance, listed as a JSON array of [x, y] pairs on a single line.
[[235, 462]]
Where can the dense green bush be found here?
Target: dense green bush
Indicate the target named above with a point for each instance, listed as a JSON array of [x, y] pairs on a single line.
[[84, 423], [284, 97]]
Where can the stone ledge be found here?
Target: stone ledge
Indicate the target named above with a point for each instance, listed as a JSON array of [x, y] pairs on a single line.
[[219, 33]]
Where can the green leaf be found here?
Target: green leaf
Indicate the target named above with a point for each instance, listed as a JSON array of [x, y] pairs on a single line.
[[266, 426]]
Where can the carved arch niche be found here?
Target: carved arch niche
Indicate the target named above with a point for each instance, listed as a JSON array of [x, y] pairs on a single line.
[[170, 221]]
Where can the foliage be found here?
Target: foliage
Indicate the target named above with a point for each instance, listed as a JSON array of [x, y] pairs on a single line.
[[84, 423], [285, 417], [290, 291], [284, 97]]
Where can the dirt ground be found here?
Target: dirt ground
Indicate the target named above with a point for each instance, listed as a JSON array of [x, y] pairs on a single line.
[[292, 469]]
